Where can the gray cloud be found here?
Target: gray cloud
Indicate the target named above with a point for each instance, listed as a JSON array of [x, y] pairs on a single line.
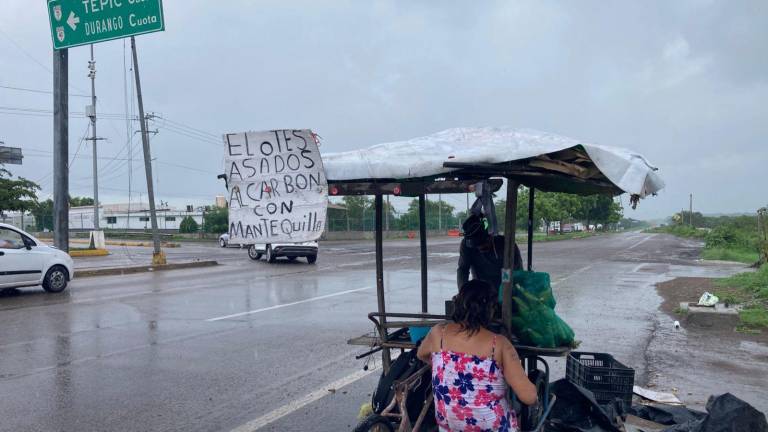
[[681, 82]]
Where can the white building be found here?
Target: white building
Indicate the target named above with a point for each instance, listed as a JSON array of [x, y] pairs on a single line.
[[21, 220], [121, 217]]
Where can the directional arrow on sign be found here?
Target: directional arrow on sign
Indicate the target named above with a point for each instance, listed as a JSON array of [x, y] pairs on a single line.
[[73, 20]]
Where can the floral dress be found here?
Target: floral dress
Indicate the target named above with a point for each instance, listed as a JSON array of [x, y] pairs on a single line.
[[470, 393]]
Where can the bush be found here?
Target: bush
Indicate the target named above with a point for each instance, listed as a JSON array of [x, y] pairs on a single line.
[[188, 225], [216, 220], [729, 236]]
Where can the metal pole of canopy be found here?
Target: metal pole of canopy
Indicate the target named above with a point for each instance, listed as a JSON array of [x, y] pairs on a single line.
[[423, 246], [385, 355], [531, 193], [509, 254]]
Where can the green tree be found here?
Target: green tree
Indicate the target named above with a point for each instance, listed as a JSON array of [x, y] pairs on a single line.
[[80, 201], [216, 220], [43, 213], [359, 211], [188, 225], [522, 210], [600, 209], [438, 214], [16, 194]]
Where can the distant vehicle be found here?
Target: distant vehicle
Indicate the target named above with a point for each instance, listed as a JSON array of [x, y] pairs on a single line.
[[567, 228], [26, 261], [291, 251], [224, 240]]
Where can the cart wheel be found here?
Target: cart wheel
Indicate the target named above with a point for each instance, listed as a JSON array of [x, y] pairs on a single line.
[[375, 423], [530, 415]]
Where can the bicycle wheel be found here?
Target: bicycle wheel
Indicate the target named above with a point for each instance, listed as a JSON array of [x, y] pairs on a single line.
[[530, 415], [375, 423]]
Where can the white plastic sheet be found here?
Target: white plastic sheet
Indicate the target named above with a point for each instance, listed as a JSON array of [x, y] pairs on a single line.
[[424, 156]]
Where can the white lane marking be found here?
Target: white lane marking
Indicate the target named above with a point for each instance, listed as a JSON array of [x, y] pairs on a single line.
[[280, 306], [300, 403], [637, 269], [583, 269], [641, 242]]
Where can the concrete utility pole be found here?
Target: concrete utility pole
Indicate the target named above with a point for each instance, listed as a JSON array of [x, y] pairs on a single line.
[[92, 114], [690, 209], [158, 257], [61, 149]]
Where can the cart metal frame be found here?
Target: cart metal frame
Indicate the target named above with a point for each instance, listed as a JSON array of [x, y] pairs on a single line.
[[461, 181]]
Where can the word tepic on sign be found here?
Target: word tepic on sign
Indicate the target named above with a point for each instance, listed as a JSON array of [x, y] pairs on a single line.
[[278, 191]]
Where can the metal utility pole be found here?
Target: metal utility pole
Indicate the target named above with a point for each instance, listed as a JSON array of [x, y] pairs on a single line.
[[61, 149], [92, 114], [158, 257]]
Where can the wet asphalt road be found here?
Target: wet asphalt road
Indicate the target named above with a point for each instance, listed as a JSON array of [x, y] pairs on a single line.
[[159, 351]]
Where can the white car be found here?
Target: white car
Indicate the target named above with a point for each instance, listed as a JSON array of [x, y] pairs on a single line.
[[224, 240], [26, 261], [291, 251]]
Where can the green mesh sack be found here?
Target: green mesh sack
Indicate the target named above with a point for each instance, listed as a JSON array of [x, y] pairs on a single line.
[[534, 319]]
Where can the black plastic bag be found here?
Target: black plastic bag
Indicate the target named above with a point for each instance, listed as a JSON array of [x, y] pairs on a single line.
[[667, 415], [726, 413]]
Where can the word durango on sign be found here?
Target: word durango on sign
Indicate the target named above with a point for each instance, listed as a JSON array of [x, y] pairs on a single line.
[[80, 22], [278, 191]]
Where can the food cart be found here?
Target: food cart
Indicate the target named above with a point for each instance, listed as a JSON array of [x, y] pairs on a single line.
[[456, 161]]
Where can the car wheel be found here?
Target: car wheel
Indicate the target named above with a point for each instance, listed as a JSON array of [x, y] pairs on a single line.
[[311, 259], [252, 254], [270, 255], [55, 280], [222, 243]]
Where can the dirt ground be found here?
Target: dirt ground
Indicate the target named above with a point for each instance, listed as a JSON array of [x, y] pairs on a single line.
[[689, 289]]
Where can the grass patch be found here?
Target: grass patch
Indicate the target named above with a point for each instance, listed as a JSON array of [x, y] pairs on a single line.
[[730, 254], [755, 283], [749, 289], [566, 236], [754, 318], [686, 231]]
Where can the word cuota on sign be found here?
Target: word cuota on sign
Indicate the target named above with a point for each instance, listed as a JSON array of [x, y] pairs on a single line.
[[278, 191], [81, 22]]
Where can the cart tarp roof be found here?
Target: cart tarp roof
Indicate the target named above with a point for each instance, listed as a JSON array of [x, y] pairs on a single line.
[[567, 161]]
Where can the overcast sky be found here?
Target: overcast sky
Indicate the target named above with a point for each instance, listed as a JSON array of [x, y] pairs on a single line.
[[685, 83]]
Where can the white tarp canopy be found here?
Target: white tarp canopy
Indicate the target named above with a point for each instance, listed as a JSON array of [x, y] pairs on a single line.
[[425, 156]]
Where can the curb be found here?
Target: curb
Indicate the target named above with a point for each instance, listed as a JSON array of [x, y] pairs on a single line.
[[112, 271], [80, 253], [129, 243]]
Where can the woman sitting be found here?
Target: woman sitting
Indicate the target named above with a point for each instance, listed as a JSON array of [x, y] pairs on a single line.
[[471, 366]]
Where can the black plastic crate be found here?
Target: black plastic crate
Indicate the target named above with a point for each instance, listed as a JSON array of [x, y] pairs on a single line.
[[601, 374]]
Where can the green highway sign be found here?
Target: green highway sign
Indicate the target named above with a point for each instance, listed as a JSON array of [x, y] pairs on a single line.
[[81, 22]]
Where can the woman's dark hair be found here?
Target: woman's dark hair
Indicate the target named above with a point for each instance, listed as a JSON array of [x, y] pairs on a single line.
[[473, 306]]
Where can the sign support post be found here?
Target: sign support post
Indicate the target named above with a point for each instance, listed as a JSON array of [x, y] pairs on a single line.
[[158, 257]]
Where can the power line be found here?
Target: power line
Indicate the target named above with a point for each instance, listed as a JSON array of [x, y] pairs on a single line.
[[190, 127], [37, 91], [20, 48]]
